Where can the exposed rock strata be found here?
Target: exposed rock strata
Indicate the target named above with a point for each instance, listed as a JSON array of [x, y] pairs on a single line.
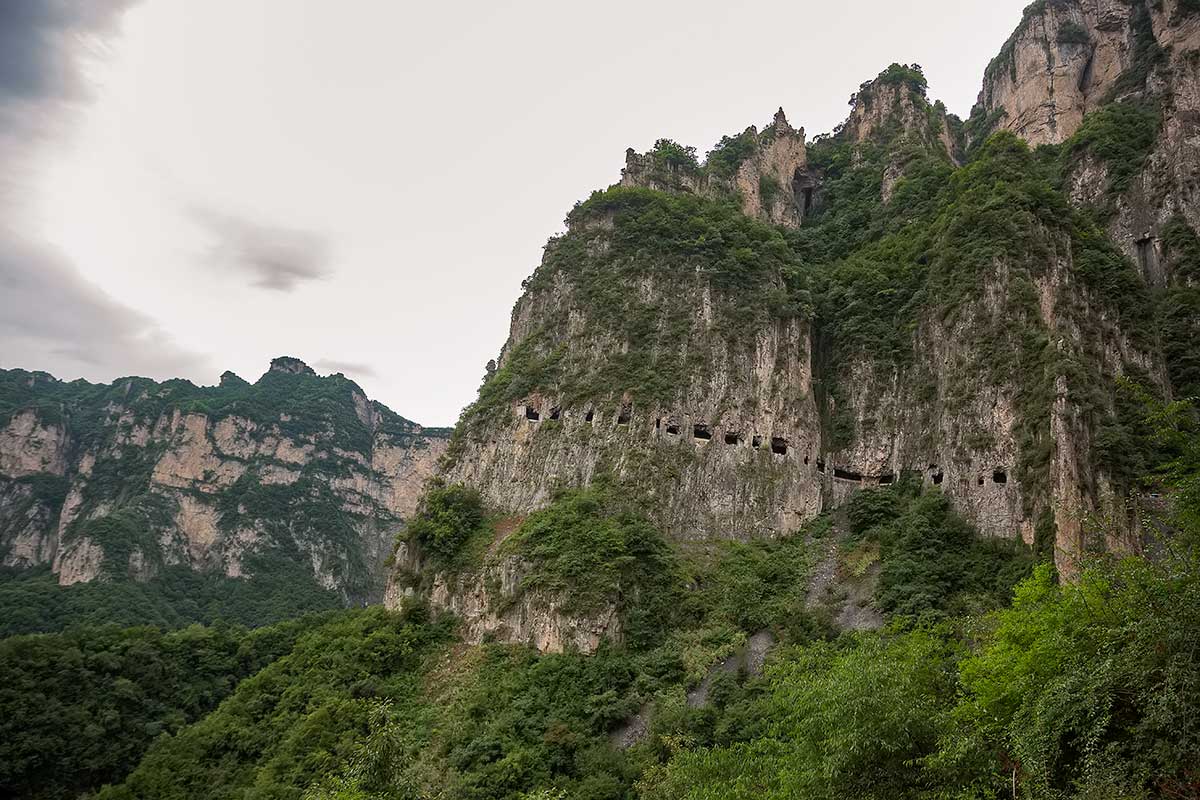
[[194, 487]]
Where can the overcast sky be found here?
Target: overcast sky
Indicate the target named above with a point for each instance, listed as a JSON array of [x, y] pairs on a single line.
[[188, 187]]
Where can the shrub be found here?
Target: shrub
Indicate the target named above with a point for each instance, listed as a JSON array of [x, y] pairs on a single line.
[[447, 517]]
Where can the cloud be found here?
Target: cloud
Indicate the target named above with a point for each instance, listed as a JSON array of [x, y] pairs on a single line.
[[273, 258], [50, 317], [347, 367], [42, 44]]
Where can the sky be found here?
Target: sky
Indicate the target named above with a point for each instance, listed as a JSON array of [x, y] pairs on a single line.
[[192, 187]]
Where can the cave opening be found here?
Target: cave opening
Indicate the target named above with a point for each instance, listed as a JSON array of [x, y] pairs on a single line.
[[701, 432], [938, 477], [980, 480], [624, 415], [820, 466], [999, 476], [532, 414], [884, 480], [732, 437], [589, 416], [847, 474], [756, 441], [673, 429], [555, 413], [778, 445]]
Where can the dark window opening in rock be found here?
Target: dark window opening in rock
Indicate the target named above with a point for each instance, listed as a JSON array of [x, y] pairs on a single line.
[[624, 415], [658, 423], [802, 189], [555, 413], [532, 414], [673, 430], [1085, 77], [938, 477], [932, 467], [806, 459], [732, 437], [999, 476], [1147, 258], [847, 475], [756, 441], [884, 480], [980, 481], [820, 466], [589, 416], [778, 445], [701, 432]]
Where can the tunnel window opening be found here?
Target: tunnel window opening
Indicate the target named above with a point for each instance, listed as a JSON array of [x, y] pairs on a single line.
[[756, 441], [884, 480], [806, 459], [980, 480], [589, 416], [938, 477], [1145, 255], [820, 466], [624, 415], [673, 430], [847, 475], [802, 190], [778, 445], [532, 414], [555, 413], [732, 437], [701, 432], [999, 476], [658, 423]]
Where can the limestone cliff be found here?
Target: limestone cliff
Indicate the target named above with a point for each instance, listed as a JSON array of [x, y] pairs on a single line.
[[740, 383], [124, 479]]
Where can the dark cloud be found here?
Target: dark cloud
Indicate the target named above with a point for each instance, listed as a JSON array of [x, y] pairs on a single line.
[[42, 43], [347, 367], [273, 258], [39, 41], [50, 317]]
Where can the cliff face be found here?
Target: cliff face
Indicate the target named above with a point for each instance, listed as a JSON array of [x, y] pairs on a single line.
[[960, 326], [689, 377], [1069, 58], [122, 480]]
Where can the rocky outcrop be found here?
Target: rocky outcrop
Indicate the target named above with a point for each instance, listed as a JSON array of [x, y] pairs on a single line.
[[892, 109], [30, 445], [492, 604], [155, 475], [769, 176]]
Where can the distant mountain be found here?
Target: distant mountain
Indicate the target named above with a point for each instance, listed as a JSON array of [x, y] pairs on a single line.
[[126, 480]]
